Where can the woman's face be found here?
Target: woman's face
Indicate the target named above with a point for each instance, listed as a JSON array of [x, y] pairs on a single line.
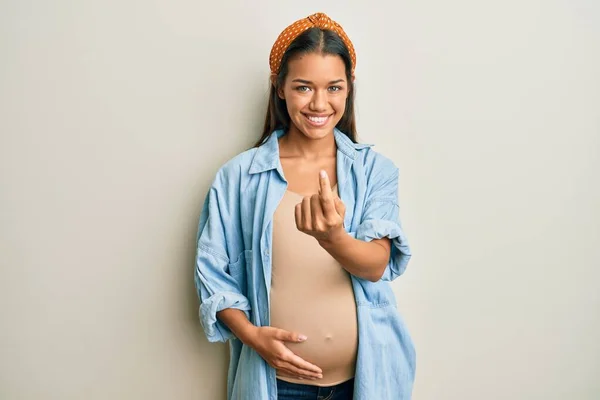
[[315, 91]]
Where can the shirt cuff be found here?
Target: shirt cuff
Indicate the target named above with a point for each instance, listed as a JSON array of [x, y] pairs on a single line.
[[215, 330], [400, 254]]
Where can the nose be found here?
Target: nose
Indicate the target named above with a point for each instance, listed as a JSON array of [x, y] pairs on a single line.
[[319, 101]]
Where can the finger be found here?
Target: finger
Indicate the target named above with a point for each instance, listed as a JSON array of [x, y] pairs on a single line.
[[300, 363], [298, 216], [326, 195], [324, 183], [300, 372], [316, 212], [288, 374], [291, 373], [328, 207], [288, 336], [306, 217]]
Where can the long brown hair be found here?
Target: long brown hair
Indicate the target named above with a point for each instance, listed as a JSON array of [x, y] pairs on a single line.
[[313, 40]]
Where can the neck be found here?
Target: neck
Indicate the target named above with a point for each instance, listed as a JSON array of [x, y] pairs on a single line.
[[295, 143]]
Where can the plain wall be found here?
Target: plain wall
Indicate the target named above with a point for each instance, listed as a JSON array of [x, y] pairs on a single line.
[[115, 116]]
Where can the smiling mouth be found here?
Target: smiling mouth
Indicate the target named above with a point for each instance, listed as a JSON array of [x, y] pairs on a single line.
[[317, 121]]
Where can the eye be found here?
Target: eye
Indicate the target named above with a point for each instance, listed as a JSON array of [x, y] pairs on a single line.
[[335, 88], [302, 88]]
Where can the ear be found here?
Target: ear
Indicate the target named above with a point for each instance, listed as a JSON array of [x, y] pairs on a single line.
[[279, 90], [353, 78]]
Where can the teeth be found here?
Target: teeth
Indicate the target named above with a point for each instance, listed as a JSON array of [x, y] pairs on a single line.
[[318, 120]]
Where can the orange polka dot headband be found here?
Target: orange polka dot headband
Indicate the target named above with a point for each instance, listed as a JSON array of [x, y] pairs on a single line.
[[289, 34]]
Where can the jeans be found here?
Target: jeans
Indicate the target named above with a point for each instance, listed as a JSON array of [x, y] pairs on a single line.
[[294, 391]]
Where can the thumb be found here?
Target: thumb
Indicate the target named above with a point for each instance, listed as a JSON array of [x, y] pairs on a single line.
[[287, 336], [340, 207]]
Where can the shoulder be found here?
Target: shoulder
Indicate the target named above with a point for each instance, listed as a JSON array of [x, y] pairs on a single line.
[[373, 163], [235, 169], [365, 158]]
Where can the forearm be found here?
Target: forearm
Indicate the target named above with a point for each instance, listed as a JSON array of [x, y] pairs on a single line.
[[366, 260], [237, 322]]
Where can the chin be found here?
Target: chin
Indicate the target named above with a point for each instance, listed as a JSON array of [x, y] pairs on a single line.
[[316, 133]]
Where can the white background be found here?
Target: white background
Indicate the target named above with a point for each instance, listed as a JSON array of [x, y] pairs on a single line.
[[115, 116]]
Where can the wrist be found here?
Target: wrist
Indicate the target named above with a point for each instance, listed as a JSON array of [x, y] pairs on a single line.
[[248, 334], [335, 237]]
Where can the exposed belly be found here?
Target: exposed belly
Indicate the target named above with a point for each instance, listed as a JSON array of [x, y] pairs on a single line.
[[328, 319]]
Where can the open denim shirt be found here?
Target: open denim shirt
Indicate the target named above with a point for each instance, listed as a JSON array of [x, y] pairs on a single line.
[[233, 265]]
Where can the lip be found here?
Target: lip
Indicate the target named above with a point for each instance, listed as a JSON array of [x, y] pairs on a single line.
[[318, 115], [328, 116]]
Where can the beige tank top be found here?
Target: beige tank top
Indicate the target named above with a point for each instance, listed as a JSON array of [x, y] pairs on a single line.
[[312, 294]]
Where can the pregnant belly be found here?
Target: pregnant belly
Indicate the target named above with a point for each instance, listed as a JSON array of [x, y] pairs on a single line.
[[330, 324]]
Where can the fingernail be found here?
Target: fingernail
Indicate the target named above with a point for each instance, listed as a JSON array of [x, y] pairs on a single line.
[[302, 338], [323, 174]]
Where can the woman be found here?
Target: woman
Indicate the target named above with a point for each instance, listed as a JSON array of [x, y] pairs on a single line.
[[299, 237]]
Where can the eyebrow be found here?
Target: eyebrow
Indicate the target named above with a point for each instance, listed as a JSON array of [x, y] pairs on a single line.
[[310, 83]]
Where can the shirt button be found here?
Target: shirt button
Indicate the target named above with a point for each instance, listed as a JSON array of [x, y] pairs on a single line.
[[267, 252]]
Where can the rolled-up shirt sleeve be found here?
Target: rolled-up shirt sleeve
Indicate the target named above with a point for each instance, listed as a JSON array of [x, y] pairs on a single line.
[[216, 287], [381, 218]]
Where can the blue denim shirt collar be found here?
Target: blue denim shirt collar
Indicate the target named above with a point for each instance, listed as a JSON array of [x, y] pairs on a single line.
[[267, 155]]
